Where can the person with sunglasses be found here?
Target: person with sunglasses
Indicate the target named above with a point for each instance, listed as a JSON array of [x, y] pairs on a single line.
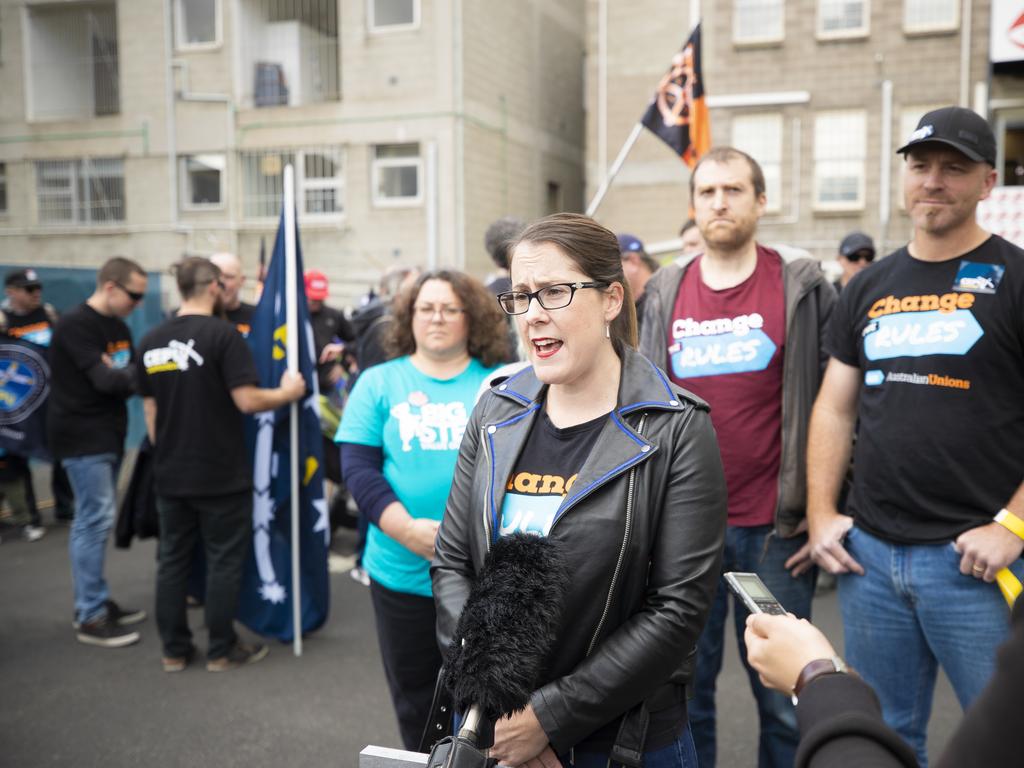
[[92, 376], [856, 252], [592, 447]]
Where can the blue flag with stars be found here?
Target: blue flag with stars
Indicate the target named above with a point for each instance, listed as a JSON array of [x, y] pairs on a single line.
[[265, 603]]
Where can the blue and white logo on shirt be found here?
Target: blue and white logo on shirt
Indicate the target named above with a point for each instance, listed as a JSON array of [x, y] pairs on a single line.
[[916, 334], [721, 346], [978, 277]]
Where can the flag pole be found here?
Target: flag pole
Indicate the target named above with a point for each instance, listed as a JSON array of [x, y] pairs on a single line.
[[613, 171], [292, 358]]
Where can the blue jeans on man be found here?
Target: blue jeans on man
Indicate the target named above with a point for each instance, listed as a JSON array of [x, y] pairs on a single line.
[[758, 550], [679, 754], [94, 480], [911, 611]]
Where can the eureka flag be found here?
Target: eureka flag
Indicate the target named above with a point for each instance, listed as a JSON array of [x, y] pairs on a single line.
[[24, 387], [678, 114], [265, 604]]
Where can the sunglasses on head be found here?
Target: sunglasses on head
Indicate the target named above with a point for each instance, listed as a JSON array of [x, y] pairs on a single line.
[[868, 256]]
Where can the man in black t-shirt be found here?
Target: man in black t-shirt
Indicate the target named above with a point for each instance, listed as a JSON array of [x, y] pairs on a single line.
[[197, 378], [238, 312], [927, 352], [92, 376]]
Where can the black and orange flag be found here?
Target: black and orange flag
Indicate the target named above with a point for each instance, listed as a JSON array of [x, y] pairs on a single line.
[[678, 114]]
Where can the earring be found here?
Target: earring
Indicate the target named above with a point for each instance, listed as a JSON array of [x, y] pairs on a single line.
[[607, 330]]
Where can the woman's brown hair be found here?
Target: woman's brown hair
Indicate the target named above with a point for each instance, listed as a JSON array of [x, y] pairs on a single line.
[[488, 339], [595, 251]]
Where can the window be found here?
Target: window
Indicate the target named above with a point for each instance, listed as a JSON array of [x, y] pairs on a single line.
[[319, 182], [840, 147], [197, 23], [842, 18], [760, 136], [396, 175], [202, 180], [392, 15], [930, 15], [3, 189], [89, 191], [73, 61], [758, 21]]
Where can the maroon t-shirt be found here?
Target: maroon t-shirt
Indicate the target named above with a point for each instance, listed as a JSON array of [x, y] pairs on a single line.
[[726, 347]]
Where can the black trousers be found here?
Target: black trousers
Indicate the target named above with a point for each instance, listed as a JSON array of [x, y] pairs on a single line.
[[225, 525], [408, 647]]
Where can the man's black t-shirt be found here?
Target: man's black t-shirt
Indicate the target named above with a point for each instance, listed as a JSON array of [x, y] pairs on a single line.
[[941, 347], [241, 318], [35, 326], [91, 376], [189, 365]]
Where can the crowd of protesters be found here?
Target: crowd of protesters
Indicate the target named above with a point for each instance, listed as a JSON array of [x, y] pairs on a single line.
[[731, 410]]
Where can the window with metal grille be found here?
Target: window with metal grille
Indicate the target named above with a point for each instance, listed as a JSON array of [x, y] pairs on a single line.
[[289, 52], [842, 18], [840, 148], [930, 15], [760, 136], [758, 21], [396, 173], [202, 179], [86, 191], [391, 15], [74, 64], [197, 23], [319, 182]]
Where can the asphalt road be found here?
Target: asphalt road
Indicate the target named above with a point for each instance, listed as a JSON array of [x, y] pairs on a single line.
[[67, 704]]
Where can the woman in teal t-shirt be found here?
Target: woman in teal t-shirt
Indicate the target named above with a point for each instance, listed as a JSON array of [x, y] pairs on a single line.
[[400, 437]]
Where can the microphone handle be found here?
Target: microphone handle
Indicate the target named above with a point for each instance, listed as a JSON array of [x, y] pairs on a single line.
[[470, 730]]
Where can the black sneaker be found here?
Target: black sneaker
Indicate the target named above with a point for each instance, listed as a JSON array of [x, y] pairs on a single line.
[[118, 615], [238, 656], [106, 634]]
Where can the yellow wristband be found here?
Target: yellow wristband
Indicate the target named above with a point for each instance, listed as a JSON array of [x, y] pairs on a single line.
[[1010, 522]]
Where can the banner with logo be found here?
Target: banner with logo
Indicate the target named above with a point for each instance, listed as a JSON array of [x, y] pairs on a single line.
[[1006, 31], [24, 388], [265, 605]]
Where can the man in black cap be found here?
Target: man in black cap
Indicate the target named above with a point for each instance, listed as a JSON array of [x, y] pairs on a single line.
[[927, 355], [856, 252], [637, 266]]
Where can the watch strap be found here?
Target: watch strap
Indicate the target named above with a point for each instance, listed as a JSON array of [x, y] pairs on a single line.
[[816, 669]]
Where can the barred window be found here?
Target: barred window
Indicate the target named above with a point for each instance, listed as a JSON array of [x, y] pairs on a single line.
[[197, 23], [202, 179], [930, 15], [760, 136], [390, 15], [840, 18], [319, 182], [840, 149], [74, 61], [86, 191], [397, 169], [758, 21]]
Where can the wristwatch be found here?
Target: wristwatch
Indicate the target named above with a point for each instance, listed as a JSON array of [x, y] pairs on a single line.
[[815, 669]]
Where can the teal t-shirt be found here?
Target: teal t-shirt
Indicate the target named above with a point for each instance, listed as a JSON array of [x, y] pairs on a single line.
[[418, 421]]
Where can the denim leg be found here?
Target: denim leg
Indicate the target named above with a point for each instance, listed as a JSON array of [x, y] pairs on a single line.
[[710, 647], [679, 754], [765, 554], [884, 641], [964, 619], [179, 525], [225, 523], [94, 480]]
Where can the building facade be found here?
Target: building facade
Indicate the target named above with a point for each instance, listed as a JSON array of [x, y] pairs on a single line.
[[160, 128], [821, 92]]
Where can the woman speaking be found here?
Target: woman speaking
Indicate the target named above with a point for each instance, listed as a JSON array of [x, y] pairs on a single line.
[[593, 447]]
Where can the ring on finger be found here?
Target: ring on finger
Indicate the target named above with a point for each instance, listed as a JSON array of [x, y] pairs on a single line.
[[978, 568]]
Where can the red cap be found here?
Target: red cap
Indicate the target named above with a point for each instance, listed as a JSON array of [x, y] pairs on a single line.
[[316, 285]]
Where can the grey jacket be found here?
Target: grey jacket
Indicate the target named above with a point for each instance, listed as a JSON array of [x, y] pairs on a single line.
[[809, 303], [643, 528]]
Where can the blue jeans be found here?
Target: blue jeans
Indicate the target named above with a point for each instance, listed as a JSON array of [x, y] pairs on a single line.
[[756, 550], [911, 611], [679, 754], [94, 480]]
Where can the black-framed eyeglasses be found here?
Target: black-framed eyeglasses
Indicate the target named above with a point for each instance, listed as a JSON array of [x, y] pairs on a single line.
[[549, 297], [868, 256], [135, 296]]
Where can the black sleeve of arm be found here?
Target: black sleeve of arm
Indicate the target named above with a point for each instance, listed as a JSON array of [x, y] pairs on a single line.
[[841, 725], [112, 381], [361, 467]]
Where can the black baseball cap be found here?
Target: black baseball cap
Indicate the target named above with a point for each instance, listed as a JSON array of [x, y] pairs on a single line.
[[962, 129], [22, 278], [856, 241]]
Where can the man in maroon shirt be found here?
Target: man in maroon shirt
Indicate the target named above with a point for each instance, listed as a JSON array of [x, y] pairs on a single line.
[[741, 327]]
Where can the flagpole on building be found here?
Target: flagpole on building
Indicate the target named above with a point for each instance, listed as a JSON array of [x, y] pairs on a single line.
[[619, 160], [292, 362]]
